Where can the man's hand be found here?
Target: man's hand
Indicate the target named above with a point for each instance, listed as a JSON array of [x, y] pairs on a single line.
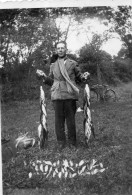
[[41, 74], [86, 75]]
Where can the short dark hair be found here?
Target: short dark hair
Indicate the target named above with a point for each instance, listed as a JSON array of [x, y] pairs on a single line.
[[61, 42]]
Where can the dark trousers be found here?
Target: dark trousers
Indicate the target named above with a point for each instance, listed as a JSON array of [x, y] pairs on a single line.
[[65, 111]]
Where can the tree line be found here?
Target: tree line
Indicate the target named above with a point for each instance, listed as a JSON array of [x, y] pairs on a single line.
[[28, 37]]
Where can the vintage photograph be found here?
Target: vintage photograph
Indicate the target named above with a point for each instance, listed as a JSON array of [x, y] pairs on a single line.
[[66, 100]]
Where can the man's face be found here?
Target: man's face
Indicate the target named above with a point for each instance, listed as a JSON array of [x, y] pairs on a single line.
[[61, 50]]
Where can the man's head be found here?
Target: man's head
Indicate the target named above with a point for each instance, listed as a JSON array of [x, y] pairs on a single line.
[[61, 49]]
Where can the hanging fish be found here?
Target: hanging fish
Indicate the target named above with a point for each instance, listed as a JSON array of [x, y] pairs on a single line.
[[42, 128], [87, 123]]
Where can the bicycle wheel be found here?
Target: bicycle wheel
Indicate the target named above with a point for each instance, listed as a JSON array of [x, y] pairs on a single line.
[[93, 96], [110, 95]]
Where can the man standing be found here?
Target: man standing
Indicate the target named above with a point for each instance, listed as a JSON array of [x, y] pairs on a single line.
[[64, 93]]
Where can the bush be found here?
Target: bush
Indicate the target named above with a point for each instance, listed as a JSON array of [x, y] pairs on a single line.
[[111, 72], [21, 85], [107, 72], [90, 67], [123, 69], [17, 72]]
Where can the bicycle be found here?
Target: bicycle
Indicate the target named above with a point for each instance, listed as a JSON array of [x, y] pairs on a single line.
[[102, 93]]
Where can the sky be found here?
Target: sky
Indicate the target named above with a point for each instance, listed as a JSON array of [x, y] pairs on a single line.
[[78, 36], [112, 46]]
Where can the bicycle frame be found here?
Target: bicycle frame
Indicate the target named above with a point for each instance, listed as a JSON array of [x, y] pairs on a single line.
[[101, 91]]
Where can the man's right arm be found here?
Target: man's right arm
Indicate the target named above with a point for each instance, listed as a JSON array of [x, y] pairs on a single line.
[[50, 78]]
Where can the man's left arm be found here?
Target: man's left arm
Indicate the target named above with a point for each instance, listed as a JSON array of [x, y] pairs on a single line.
[[80, 77]]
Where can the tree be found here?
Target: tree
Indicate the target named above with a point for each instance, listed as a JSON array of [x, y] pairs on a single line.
[[27, 37], [121, 20], [7, 28], [93, 52], [95, 60], [123, 53]]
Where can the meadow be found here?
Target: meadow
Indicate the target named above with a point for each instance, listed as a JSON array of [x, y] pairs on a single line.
[[112, 146]]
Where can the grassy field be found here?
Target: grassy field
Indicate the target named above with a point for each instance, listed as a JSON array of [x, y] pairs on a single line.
[[112, 146]]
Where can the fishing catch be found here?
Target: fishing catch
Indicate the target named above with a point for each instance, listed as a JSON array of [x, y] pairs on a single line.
[[42, 128], [64, 168], [87, 123]]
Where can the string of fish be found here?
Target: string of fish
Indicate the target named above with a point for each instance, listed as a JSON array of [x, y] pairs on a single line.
[[87, 123], [42, 128]]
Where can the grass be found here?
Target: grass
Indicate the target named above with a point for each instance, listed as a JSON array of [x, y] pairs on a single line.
[[112, 146]]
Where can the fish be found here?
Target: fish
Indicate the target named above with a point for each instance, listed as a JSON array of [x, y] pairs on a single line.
[[24, 141], [54, 173], [41, 167], [36, 168], [71, 163], [66, 168], [50, 170], [87, 130], [66, 174], [87, 95], [46, 168], [81, 163], [30, 175], [87, 123], [42, 128], [47, 162], [82, 170], [60, 175]]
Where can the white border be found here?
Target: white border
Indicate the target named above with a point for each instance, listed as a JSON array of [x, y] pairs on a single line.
[[10, 4], [1, 183]]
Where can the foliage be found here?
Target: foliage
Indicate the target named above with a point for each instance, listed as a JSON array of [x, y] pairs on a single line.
[[120, 18], [31, 34], [28, 37], [123, 53], [123, 69], [27, 40], [72, 56], [91, 56]]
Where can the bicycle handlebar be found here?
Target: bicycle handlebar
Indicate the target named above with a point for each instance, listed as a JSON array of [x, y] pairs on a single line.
[[97, 86]]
